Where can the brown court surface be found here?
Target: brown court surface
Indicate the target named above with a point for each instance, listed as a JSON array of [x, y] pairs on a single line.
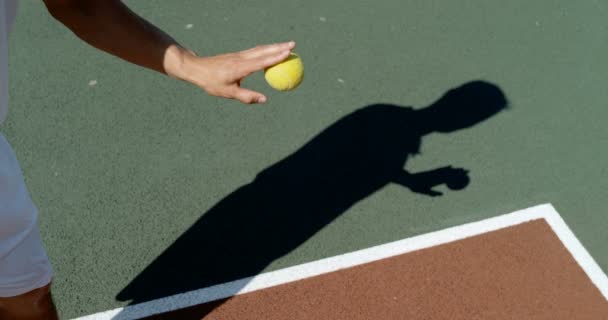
[[520, 272]]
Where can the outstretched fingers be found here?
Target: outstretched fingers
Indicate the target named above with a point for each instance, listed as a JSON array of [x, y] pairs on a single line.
[[265, 58], [268, 49]]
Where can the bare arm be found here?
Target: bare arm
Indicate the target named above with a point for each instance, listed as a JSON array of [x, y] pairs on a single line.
[[111, 26]]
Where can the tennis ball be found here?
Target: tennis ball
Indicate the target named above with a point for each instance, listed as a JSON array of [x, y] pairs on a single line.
[[286, 75]]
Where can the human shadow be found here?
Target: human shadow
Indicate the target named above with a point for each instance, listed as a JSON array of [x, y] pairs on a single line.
[[293, 199]]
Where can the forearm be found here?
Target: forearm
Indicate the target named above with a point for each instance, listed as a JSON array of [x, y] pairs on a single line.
[[111, 26]]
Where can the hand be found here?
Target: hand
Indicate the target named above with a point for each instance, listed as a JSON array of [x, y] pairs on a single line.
[[221, 75]]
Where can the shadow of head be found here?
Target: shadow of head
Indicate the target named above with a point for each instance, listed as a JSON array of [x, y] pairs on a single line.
[[464, 107]]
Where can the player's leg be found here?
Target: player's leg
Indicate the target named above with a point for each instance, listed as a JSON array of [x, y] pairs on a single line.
[[25, 277], [25, 270], [36, 304]]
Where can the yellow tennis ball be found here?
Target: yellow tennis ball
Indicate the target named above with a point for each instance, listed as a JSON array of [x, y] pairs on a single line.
[[286, 75]]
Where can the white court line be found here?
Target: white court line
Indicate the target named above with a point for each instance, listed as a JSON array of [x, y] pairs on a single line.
[[311, 269]]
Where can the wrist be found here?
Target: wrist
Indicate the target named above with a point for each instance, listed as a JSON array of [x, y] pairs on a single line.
[[176, 60]]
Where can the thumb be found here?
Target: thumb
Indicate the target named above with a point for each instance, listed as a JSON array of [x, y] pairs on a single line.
[[248, 96]]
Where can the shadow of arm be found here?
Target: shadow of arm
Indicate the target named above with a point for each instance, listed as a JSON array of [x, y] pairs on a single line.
[[424, 182]]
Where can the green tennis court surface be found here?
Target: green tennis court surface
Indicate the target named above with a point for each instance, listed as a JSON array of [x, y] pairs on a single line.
[[122, 161]]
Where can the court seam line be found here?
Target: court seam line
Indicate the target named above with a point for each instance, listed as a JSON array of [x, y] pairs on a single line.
[[376, 253]]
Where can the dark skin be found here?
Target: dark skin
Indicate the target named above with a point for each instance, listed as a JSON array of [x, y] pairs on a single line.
[[110, 26]]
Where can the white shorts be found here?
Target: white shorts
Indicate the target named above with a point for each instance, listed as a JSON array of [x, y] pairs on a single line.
[[24, 265]]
